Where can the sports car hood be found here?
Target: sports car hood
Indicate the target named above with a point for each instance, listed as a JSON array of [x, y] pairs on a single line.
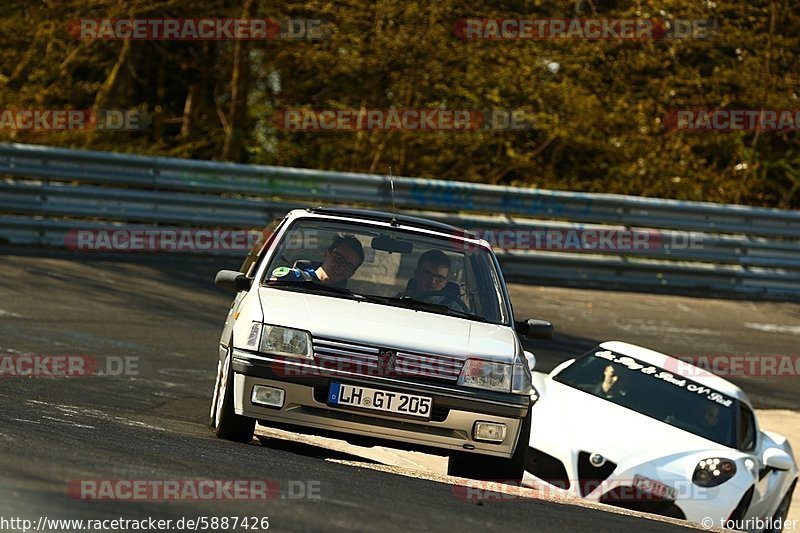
[[387, 326], [593, 424]]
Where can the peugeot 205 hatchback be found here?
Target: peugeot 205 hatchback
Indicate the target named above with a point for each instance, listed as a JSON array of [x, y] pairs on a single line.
[[341, 327]]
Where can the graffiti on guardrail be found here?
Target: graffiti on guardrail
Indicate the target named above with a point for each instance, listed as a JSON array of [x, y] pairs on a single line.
[[266, 184], [544, 205], [449, 195]]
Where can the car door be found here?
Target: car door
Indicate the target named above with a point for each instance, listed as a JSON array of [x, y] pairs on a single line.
[[249, 268], [751, 440]]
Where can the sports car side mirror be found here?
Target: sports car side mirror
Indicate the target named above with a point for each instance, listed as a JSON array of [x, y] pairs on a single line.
[[232, 280], [777, 459], [531, 360], [535, 329]]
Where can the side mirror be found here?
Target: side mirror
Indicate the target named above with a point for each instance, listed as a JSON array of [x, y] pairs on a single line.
[[777, 459], [535, 329], [233, 281], [531, 359]]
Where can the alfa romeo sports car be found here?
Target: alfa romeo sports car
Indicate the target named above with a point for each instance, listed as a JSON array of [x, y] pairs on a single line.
[[638, 429], [377, 327]]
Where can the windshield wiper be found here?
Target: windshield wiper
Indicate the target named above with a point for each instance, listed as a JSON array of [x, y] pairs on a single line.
[[471, 316], [306, 284], [412, 303]]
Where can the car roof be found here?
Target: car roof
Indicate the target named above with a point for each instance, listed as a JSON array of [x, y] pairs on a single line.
[[395, 219], [674, 364]]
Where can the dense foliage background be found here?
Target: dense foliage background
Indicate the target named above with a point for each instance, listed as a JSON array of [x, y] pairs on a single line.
[[597, 106]]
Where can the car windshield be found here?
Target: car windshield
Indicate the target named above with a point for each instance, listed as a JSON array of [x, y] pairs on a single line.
[[401, 267], [655, 392]]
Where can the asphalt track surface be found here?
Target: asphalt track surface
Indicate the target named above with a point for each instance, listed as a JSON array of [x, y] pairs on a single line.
[[164, 312]]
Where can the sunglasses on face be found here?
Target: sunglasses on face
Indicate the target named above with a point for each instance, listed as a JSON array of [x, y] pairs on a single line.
[[433, 276], [341, 262]]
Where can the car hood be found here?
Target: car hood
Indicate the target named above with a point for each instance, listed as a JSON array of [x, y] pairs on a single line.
[[580, 421], [387, 326]]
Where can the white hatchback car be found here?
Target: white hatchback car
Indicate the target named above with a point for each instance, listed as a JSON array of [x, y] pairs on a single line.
[[378, 328]]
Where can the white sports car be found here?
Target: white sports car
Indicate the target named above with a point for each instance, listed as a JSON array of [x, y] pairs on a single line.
[[638, 429]]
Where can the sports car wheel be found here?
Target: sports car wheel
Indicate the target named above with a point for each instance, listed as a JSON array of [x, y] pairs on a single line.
[[227, 424], [494, 468], [782, 512]]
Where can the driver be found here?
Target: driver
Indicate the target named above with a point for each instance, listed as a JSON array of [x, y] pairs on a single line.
[[605, 388], [339, 263], [430, 277]]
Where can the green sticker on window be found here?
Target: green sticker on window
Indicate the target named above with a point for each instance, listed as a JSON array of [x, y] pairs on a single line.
[[281, 271]]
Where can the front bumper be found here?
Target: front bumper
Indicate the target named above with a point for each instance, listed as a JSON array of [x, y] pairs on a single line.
[[692, 502], [455, 410]]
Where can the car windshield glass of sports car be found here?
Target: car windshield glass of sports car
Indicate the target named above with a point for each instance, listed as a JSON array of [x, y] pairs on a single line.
[[655, 392], [401, 267]]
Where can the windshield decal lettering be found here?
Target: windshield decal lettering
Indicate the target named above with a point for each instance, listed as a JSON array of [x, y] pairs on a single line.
[[633, 365]]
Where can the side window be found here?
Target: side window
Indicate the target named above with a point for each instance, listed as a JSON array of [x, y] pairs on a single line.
[[256, 254], [747, 429]]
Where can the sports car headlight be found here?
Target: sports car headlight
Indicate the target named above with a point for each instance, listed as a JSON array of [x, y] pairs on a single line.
[[714, 471], [289, 342], [486, 375]]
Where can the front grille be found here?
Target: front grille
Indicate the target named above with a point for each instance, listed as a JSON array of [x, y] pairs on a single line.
[[547, 468], [636, 500], [366, 360], [589, 476]]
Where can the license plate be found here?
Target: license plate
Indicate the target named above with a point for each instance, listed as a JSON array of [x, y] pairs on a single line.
[[340, 394], [654, 488]]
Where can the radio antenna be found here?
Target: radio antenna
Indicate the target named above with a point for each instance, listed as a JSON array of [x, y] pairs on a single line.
[[394, 210]]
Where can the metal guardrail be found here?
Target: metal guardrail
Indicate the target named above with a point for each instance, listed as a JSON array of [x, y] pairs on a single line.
[[735, 249]]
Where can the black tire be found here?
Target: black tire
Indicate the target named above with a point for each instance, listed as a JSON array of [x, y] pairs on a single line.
[[226, 423], [783, 510], [475, 466]]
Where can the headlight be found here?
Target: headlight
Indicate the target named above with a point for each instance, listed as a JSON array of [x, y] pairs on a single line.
[[277, 340], [714, 471], [486, 375]]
